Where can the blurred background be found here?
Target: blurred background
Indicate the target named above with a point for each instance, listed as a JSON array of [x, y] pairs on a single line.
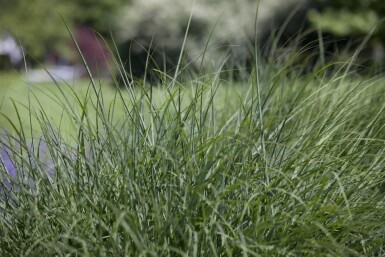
[[220, 32]]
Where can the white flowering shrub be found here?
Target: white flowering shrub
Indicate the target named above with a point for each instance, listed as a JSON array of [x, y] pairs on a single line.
[[226, 24]]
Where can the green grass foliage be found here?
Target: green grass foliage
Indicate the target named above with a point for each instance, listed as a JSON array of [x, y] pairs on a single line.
[[277, 163]]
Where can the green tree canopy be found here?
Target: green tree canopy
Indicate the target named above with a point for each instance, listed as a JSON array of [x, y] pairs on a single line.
[[349, 17], [39, 27], [37, 23], [98, 14]]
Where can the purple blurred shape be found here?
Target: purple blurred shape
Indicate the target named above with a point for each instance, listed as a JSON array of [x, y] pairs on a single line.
[[9, 167], [15, 172], [94, 51]]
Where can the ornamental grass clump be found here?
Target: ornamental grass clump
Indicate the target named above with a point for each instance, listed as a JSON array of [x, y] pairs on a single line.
[[279, 163]]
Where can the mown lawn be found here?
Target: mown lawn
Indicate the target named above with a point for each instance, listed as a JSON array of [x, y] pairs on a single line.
[[20, 97]]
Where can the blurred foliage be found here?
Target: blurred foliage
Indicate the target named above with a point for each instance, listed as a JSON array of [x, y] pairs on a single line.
[[228, 25], [36, 23], [349, 17], [99, 15], [335, 21], [219, 30], [40, 29]]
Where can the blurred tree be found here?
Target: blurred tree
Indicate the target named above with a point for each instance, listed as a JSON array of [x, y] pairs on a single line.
[[159, 26], [353, 19], [98, 15], [40, 29], [37, 24], [349, 17]]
